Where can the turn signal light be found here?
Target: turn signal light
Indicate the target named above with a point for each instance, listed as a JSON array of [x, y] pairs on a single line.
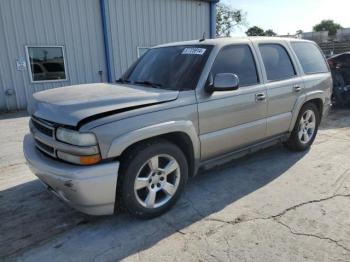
[[90, 160], [79, 160]]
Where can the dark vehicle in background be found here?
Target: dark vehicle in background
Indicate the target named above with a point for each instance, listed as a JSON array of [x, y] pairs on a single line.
[[340, 68]]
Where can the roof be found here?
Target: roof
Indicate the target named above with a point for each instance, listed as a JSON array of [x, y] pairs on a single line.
[[232, 40], [337, 55]]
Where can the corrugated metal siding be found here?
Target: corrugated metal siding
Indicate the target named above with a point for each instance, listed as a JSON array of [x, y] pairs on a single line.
[[146, 23], [75, 24]]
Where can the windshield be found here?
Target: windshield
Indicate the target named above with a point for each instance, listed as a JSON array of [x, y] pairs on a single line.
[[175, 67]]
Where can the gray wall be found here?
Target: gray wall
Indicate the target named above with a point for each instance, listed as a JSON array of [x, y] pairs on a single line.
[[343, 34], [318, 37], [146, 23], [76, 24]]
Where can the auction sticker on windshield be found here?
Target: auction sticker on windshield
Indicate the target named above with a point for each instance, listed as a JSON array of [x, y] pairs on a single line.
[[193, 51]]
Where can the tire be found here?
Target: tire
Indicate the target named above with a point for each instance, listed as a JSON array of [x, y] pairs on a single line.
[[296, 142], [140, 170]]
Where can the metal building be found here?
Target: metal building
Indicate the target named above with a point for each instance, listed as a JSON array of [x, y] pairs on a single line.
[[343, 34], [318, 37], [52, 43]]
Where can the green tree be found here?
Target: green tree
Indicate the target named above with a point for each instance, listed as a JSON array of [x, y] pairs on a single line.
[[227, 19], [255, 31], [327, 25], [270, 32]]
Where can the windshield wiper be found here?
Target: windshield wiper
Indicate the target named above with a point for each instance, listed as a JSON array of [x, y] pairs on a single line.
[[148, 83], [123, 81]]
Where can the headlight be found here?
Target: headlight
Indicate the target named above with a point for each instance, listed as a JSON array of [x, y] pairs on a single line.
[[75, 138], [80, 160]]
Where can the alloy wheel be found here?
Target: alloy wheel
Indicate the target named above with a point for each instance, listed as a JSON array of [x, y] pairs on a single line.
[[307, 126], [157, 181]]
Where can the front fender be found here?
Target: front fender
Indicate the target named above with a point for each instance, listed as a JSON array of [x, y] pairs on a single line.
[[121, 143]]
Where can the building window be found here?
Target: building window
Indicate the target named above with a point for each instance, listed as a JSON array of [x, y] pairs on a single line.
[[47, 63], [141, 51]]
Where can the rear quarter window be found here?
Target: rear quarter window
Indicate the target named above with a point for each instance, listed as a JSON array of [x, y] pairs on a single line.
[[310, 57], [277, 62]]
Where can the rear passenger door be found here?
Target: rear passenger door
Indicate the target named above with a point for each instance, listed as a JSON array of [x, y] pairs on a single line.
[[232, 119], [283, 85]]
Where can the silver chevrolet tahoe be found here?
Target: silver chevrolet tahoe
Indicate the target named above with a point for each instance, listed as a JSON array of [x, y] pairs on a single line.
[[180, 107]]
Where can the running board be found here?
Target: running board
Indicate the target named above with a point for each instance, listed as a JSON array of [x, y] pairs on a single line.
[[222, 159]]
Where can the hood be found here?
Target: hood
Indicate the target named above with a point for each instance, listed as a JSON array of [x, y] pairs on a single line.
[[71, 104]]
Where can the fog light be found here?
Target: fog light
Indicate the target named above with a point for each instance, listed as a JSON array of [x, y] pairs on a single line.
[[80, 160]]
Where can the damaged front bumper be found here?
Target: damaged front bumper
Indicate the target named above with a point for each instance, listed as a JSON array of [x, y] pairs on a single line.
[[89, 189]]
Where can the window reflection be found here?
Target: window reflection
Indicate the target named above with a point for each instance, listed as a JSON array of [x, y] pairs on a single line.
[[47, 63]]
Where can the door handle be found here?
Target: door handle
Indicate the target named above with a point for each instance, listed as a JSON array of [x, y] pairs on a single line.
[[296, 88], [260, 97]]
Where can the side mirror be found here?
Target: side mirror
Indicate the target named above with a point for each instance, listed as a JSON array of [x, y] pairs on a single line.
[[223, 82]]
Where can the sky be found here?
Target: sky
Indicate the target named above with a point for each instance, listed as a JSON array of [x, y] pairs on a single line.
[[288, 16]]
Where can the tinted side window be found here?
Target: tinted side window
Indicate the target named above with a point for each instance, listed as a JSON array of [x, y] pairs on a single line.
[[310, 58], [237, 59], [277, 62]]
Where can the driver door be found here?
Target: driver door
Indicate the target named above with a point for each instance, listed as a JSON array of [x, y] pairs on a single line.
[[230, 120]]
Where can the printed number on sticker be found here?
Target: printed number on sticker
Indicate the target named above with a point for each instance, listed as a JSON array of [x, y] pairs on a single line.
[[193, 51]]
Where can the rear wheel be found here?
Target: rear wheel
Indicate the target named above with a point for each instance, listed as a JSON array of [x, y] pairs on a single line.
[[305, 129], [153, 179]]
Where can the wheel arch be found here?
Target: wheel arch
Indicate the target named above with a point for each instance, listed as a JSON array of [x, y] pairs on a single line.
[[181, 133], [316, 100]]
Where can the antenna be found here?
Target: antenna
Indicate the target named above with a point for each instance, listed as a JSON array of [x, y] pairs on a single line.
[[203, 38]]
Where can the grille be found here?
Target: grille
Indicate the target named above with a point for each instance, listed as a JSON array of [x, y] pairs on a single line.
[[42, 128], [44, 147]]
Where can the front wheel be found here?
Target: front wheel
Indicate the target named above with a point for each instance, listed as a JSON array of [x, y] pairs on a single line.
[[153, 179], [305, 129]]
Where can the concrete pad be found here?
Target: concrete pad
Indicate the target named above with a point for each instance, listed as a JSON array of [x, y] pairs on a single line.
[[275, 205]]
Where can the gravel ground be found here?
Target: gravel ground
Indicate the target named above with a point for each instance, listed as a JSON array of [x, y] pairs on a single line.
[[271, 206]]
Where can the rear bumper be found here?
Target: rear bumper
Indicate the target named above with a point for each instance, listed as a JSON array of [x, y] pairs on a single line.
[[89, 189]]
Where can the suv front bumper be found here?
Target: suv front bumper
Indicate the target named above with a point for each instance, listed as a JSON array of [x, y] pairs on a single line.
[[89, 189]]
